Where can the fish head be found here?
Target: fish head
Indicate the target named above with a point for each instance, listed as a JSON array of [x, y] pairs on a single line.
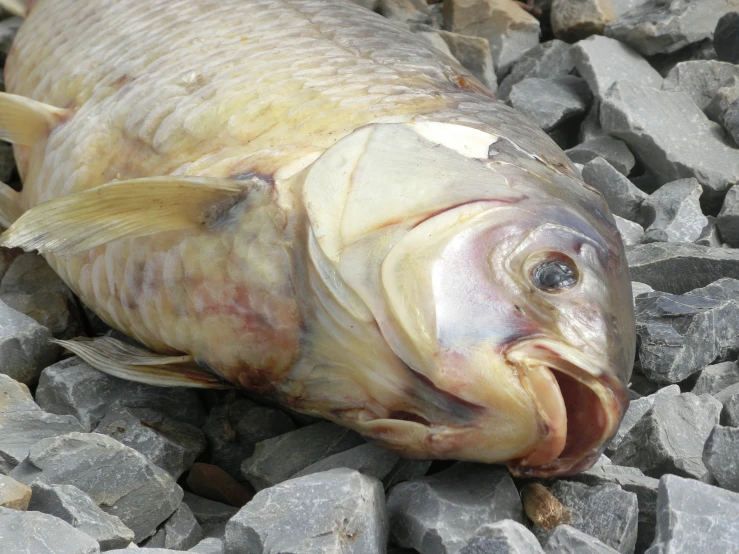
[[510, 309]]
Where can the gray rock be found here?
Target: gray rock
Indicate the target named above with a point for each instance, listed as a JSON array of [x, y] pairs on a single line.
[[76, 508], [440, 513], [605, 512], [36, 533], [474, 55], [179, 403], [679, 268], [614, 151], [670, 135], [728, 219], [568, 540], [170, 444], [180, 532], [549, 102], [631, 233], [727, 93], [709, 235], [368, 459], [665, 26], [51, 309], [208, 512], [726, 37], [577, 19], [602, 61], [24, 346], [15, 396], [590, 128], [208, 546], [729, 398], [622, 196], [117, 478], [700, 79], [13, 495], [670, 437], [337, 511], [234, 428], [29, 273], [415, 11], [547, 60], [695, 517], [637, 408], [673, 212], [504, 537], [639, 288], [715, 378], [623, 6], [720, 456], [730, 120], [406, 470], [277, 459]]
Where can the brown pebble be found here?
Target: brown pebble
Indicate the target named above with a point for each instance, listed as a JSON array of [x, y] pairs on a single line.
[[543, 508], [212, 482]]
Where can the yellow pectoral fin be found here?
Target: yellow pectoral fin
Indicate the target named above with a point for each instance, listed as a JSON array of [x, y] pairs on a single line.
[[10, 208], [125, 361], [16, 7], [25, 121], [125, 209]]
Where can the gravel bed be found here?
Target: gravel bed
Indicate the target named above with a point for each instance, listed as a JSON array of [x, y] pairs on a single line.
[[644, 97]]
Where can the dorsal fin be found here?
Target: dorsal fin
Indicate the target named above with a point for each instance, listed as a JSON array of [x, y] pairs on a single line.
[[124, 209], [16, 7], [24, 121], [10, 208], [129, 362]]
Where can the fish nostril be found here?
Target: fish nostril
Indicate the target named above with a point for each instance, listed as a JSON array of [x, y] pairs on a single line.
[[402, 415]]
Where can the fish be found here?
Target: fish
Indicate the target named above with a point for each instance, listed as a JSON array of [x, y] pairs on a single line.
[[300, 199]]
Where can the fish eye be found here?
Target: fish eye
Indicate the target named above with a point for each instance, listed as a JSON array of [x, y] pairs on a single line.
[[555, 275]]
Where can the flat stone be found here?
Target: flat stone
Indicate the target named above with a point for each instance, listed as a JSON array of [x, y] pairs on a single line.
[[679, 268], [726, 38], [335, 511], [671, 135], [368, 459], [474, 55], [577, 19], [24, 346], [180, 532], [277, 459], [550, 102], [729, 398], [715, 378], [36, 533], [117, 478], [673, 212], [670, 437], [700, 79], [727, 93], [665, 26], [503, 537], [719, 455], [546, 61], [605, 512], [439, 514], [695, 517], [568, 540], [602, 61], [76, 508], [622, 196], [509, 29], [631, 233], [13, 495], [208, 546], [614, 151]]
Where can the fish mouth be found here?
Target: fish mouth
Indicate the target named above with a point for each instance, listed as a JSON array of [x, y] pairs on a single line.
[[580, 402]]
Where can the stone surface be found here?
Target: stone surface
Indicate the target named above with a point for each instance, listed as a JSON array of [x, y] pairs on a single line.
[[631, 233], [700, 79], [715, 378], [49, 308], [695, 517], [279, 458], [335, 511], [639, 288], [211, 515], [117, 478], [614, 151], [679, 268], [208, 546], [509, 29], [727, 93], [24, 346], [503, 537], [622, 196], [730, 120], [474, 55], [670, 437], [13, 495], [36, 533], [577, 19], [180, 532], [550, 102], [605, 512], [568, 540], [720, 456], [368, 459], [710, 235], [602, 61], [673, 212], [665, 26], [670, 135], [76, 508], [726, 37], [440, 513], [727, 221], [729, 398], [546, 61], [212, 482], [590, 128]]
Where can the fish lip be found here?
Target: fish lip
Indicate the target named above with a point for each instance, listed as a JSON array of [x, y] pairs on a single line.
[[603, 387]]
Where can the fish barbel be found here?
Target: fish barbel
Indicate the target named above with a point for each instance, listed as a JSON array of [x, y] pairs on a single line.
[[298, 198]]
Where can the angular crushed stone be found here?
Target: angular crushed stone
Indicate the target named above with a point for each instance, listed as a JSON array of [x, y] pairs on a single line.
[[715, 378], [614, 151], [673, 212], [504, 537], [13, 495], [180, 532], [565, 539], [621, 195], [37, 533], [550, 102], [720, 456], [546, 60], [700, 79]]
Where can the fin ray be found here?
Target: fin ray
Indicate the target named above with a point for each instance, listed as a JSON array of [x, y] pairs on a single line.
[[24, 121]]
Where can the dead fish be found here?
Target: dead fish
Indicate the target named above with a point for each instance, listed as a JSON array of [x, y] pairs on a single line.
[[298, 198]]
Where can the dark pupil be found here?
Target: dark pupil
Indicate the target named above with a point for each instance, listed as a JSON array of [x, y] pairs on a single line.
[[554, 275]]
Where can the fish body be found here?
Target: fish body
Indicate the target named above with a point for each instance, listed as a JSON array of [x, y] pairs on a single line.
[[318, 206]]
